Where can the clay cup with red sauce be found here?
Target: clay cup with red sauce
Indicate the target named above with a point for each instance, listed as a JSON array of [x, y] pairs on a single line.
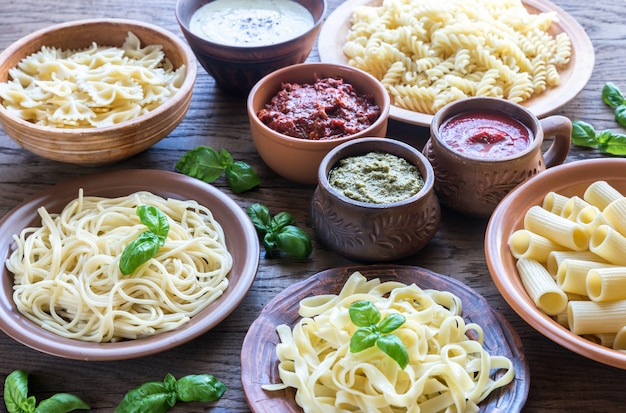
[[298, 159], [478, 166]]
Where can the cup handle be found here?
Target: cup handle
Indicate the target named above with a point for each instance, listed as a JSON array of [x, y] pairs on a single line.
[[560, 128]]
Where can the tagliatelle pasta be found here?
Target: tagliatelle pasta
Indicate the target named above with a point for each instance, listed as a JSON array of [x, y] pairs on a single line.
[[67, 277], [94, 87], [447, 371], [429, 53]]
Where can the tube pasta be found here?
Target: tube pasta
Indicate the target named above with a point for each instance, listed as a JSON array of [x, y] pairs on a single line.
[[67, 277], [541, 287], [447, 371], [560, 230], [606, 284], [527, 244], [593, 278]]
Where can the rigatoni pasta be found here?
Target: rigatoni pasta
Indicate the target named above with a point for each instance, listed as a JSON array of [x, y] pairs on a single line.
[[590, 272]]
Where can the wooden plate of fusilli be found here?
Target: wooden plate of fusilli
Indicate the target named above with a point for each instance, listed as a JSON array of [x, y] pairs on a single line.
[[530, 52]]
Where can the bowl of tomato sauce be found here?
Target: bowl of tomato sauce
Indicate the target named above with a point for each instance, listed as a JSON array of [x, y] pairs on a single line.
[[299, 113]]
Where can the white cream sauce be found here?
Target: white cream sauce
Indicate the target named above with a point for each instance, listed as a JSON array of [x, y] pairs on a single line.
[[250, 22]]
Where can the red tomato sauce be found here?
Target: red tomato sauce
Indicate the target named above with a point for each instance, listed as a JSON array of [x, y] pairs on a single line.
[[486, 134], [327, 109]]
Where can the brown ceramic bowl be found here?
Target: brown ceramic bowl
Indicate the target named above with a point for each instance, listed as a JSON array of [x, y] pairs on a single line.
[[106, 145], [371, 232], [298, 159], [241, 240], [568, 179], [236, 69]]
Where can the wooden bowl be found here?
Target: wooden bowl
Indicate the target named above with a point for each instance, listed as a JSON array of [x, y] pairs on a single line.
[[106, 145]]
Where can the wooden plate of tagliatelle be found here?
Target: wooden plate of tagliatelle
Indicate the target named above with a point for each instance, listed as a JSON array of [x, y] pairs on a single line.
[[324, 299], [421, 58]]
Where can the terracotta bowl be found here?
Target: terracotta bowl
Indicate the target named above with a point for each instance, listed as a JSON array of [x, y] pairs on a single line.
[[298, 159], [568, 179], [241, 239], [371, 232], [237, 69], [106, 145]]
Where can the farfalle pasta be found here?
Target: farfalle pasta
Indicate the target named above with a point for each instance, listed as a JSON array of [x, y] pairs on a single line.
[[429, 53], [97, 86]]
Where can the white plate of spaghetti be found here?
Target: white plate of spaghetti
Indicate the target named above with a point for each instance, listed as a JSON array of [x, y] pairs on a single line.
[[427, 72], [264, 363], [63, 290]]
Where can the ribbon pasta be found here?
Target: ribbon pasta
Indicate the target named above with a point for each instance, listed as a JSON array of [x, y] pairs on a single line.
[[67, 277], [447, 371], [430, 53], [93, 87]]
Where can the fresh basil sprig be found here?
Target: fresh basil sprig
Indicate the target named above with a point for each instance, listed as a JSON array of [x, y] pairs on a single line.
[[584, 134], [612, 96], [158, 397], [279, 232], [207, 164], [372, 331], [148, 243], [17, 400]]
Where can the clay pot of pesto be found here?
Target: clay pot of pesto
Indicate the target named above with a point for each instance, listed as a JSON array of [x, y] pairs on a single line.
[[481, 148], [375, 200]]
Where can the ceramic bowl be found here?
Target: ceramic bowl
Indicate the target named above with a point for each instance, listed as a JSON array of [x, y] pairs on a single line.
[[371, 232], [298, 159], [568, 179], [241, 239], [102, 145], [236, 69]]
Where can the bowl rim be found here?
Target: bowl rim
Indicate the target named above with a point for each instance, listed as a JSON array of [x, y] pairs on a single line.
[[326, 166], [283, 75], [184, 24], [511, 288], [186, 87]]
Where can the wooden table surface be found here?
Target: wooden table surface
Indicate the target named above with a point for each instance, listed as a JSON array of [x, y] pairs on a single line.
[[561, 381]]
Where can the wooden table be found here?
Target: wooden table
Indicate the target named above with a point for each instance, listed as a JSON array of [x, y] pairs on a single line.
[[561, 381]]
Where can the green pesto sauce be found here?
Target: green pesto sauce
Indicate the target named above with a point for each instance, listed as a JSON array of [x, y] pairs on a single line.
[[376, 178]]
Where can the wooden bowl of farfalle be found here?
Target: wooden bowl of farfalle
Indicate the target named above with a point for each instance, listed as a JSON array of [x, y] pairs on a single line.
[[95, 92]]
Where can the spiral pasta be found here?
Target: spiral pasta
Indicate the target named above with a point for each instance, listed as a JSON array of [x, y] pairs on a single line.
[[421, 50], [67, 277]]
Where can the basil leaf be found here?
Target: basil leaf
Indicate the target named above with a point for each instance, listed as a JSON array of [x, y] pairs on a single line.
[[390, 323], [199, 388], [583, 134], [260, 216], [611, 95], [615, 144], [392, 346], [620, 114], [241, 177], [363, 338], [61, 403], [281, 220], [139, 251], [294, 241], [364, 313], [150, 397], [16, 393], [203, 163], [269, 243], [155, 220]]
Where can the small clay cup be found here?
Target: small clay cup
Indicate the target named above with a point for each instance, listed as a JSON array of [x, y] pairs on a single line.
[[473, 185], [370, 232]]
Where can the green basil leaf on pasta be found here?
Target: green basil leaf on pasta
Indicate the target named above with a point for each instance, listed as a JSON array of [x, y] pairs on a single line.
[[391, 345], [139, 251], [390, 323], [155, 220], [363, 338], [364, 313]]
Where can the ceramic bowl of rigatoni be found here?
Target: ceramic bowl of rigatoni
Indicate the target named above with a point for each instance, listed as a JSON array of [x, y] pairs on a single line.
[[554, 247]]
